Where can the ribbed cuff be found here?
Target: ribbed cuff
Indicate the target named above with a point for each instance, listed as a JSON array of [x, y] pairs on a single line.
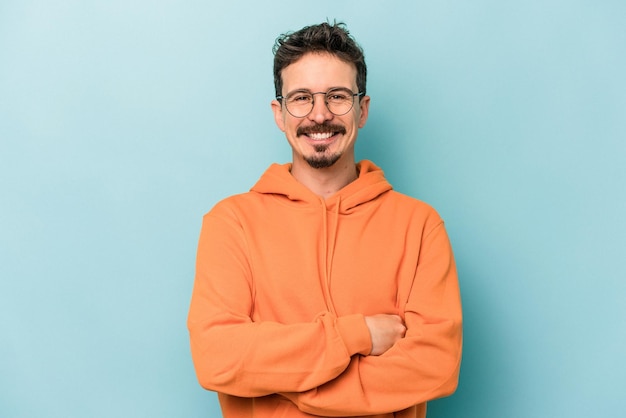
[[355, 334]]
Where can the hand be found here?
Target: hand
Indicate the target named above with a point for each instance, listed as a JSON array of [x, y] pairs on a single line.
[[385, 330]]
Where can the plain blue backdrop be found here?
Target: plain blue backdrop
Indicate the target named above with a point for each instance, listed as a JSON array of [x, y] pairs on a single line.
[[122, 122]]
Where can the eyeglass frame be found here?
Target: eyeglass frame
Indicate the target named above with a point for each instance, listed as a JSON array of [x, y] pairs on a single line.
[[325, 93]]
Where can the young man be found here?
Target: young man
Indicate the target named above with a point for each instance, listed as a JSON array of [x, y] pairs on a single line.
[[323, 292]]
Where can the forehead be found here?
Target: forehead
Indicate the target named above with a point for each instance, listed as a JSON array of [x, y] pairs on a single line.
[[318, 72]]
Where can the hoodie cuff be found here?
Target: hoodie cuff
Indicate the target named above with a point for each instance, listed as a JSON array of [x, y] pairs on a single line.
[[355, 334]]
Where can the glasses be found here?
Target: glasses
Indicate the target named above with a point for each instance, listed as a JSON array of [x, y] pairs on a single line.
[[299, 103]]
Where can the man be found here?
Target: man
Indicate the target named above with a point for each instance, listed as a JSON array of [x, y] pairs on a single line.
[[323, 292]]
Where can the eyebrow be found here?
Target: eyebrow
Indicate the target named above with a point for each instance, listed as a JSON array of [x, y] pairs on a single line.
[[310, 91]]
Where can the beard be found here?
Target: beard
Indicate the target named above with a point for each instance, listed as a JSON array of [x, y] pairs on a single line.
[[322, 158]]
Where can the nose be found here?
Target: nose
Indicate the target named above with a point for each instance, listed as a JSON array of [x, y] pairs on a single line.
[[320, 112]]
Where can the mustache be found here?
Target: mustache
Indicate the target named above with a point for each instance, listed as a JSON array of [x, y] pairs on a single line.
[[321, 128]]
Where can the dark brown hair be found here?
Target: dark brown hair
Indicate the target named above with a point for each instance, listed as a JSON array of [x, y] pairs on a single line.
[[333, 39]]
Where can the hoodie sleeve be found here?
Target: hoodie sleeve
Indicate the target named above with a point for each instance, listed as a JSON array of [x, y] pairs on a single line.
[[234, 355], [422, 366]]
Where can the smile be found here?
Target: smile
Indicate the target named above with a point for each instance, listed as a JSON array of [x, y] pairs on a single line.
[[320, 136]]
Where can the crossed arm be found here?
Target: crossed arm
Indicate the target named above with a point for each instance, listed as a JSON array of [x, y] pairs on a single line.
[[332, 366]]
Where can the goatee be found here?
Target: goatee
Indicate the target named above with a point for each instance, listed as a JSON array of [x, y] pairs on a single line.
[[321, 159]]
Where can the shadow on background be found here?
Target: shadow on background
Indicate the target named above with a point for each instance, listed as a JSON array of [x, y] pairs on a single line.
[[484, 373]]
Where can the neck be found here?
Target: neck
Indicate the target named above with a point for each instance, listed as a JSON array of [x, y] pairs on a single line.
[[325, 182]]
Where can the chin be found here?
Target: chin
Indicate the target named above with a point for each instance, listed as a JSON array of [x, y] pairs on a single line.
[[322, 161]]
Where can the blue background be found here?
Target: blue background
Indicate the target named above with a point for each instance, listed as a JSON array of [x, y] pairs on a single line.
[[122, 122]]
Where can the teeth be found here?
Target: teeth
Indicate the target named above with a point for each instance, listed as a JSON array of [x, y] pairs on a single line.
[[320, 136]]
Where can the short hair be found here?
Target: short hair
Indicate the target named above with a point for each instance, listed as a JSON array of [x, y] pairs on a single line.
[[323, 38]]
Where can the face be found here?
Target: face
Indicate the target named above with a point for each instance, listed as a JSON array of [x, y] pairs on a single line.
[[321, 139]]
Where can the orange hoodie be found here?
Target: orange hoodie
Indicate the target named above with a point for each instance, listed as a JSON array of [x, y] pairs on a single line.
[[284, 280]]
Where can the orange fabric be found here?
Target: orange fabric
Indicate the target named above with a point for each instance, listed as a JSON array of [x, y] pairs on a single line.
[[283, 281]]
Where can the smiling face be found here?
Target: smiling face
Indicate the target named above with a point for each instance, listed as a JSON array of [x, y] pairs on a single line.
[[320, 139]]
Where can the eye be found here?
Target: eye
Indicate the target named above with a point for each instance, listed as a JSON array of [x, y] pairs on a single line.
[[300, 98], [339, 95]]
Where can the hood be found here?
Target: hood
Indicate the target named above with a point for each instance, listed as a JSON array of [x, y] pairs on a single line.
[[371, 183]]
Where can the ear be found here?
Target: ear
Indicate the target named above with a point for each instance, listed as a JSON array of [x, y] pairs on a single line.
[[364, 107], [277, 108]]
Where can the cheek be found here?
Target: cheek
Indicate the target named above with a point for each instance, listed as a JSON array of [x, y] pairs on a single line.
[[289, 127]]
